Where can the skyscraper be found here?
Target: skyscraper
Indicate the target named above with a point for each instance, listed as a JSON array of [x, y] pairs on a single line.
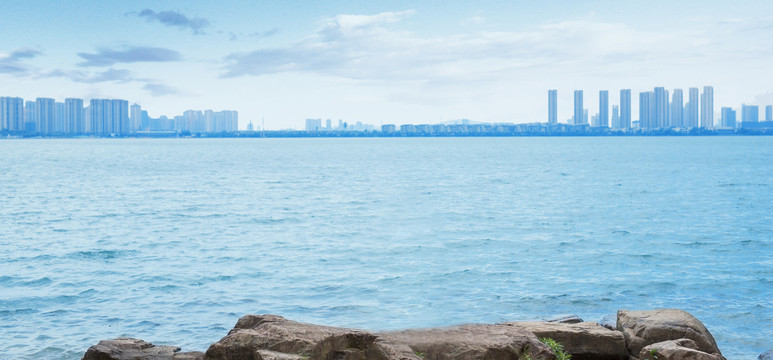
[[647, 110], [707, 107], [46, 115], [135, 117], [552, 106], [728, 118], [30, 116], [603, 120], [12, 114], [677, 109], [625, 108], [579, 114], [616, 117], [750, 113], [74, 116], [109, 117], [691, 120], [661, 108], [59, 114], [769, 113]]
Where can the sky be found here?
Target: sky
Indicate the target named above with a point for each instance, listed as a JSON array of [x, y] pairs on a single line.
[[383, 62]]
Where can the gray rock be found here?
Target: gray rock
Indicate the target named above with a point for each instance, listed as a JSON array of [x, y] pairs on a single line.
[[472, 342], [136, 349], [681, 349], [566, 319], [271, 337], [585, 340], [642, 328], [609, 321], [768, 355]]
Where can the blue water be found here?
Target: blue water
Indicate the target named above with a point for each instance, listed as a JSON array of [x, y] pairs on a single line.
[[172, 240]]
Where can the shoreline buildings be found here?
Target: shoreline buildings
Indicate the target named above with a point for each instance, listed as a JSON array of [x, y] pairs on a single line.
[[103, 117]]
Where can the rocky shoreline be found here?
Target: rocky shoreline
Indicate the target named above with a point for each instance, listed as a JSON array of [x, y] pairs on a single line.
[[661, 334]]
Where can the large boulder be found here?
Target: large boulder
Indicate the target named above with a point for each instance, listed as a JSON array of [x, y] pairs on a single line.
[[272, 337], [472, 342], [566, 319], [681, 349], [642, 328], [585, 340], [136, 349]]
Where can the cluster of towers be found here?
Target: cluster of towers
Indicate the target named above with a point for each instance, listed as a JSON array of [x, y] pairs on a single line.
[[103, 117], [657, 110]]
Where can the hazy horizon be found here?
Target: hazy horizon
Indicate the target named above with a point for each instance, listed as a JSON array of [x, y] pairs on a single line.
[[389, 62]]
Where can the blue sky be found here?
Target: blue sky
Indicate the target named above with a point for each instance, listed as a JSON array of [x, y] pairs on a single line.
[[383, 62]]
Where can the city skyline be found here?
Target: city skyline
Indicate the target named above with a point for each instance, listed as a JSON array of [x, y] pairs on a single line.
[[377, 62]]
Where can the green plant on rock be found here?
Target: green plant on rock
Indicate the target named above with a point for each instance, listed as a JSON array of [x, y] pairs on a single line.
[[557, 348], [652, 355]]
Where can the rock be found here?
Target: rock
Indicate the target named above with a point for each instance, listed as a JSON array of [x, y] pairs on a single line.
[[681, 349], [271, 337], [586, 340], [768, 355], [642, 328], [566, 319], [609, 321], [468, 342], [136, 349]]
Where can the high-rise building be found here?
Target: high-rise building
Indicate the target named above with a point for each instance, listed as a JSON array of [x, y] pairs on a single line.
[[59, 124], [74, 116], [691, 109], [313, 124], [661, 108], [109, 117], [552, 106], [579, 115], [625, 108], [677, 109], [584, 117], [46, 115], [135, 117], [647, 110], [769, 113], [707, 107], [728, 118], [30, 116], [750, 113], [616, 117], [11, 114], [603, 120]]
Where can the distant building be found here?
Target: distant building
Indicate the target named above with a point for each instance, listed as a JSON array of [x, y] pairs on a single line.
[[660, 116], [691, 110], [74, 116], [603, 119], [12, 114], [750, 113], [45, 121], [30, 116], [388, 128], [314, 124], [769, 113], [552, 106], [647, 110], [677, 109], [135, 117], [625, 109], [60, 126], [579, 115], [616, 117], [108, 117], [707, 107], [728, 118]]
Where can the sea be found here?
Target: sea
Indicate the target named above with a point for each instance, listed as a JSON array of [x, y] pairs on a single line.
[[172, 240]]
